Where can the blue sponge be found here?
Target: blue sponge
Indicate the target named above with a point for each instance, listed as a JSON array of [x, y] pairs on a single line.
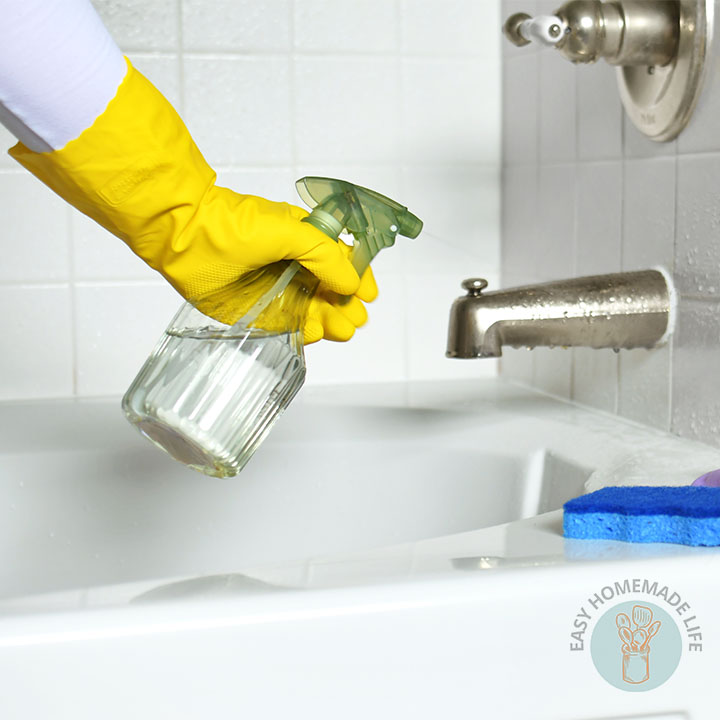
[[684, 515]]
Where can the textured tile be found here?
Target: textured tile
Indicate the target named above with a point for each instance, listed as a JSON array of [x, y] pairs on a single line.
[[517, 365], [163, 73], [450, 111], [451, 27], [141, 25], [555, 251], [429, 254], [695, 378], [36, 361], [701, 134], [637, 145], [552, 371], [459, 206], [377, 351], [649, 214], [598, 224], [99, 255], [600, 114], [236, 25], [331, 124], [7, 140], [519, 225], [345, 26], [595, 378], [238, 109], [35, 242], [558, 123], [520, 110], [546, 7], [117, 328], [644, 386], [697, 250], [428, 302]]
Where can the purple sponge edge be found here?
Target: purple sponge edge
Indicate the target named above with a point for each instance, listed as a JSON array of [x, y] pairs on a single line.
[[711, 479]]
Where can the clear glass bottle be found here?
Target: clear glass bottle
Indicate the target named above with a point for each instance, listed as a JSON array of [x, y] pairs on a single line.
[[219, 378], [210, 392]]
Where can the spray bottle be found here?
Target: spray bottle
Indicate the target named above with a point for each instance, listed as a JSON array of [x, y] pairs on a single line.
[[229, 363]]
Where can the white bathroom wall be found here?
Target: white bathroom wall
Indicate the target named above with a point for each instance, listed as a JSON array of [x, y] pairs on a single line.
[[400, 95], [584, 192]]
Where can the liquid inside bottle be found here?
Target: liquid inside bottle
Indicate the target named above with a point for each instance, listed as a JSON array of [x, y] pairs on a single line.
[[209, 398]]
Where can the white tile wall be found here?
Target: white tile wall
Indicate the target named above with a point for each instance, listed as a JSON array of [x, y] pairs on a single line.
[[584, 192], [248, 126], [236, 26], [346, 109], [343, 26], [453, 27], [399, 95], [142, 24], [34, 231], [117, 327], [6, 141], [459, 125], [37, 357]]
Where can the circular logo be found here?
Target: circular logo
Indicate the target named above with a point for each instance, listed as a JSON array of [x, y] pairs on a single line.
[[636, 646]]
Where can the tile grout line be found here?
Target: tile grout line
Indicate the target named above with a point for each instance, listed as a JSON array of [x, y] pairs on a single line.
[[400, 181], [180, 57], [671, 349], [618, 369], [292, 91], [533, 382], [74, 344], [216, 54]]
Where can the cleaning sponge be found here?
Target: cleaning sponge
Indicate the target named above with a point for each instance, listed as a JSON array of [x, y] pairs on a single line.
[[685, 515]]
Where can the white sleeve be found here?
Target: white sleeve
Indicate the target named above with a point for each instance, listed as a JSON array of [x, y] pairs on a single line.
[[59, 69]]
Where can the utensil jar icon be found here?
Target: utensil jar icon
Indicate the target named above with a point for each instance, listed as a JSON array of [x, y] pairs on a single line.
[[636, 643], [636, 666]]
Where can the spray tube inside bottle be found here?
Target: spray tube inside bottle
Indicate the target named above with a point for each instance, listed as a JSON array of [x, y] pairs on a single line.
[[219, 379]]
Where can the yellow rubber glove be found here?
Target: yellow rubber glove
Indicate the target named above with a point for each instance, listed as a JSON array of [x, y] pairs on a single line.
[[330, 317], [138, 173]]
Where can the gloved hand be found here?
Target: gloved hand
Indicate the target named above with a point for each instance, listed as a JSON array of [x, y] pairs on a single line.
[[330, 317], [138, 173]]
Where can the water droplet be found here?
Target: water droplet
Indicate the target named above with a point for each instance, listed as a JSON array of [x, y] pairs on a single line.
[[616, 350]]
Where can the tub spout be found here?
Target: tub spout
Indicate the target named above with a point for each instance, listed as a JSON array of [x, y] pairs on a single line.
[[621, 310]]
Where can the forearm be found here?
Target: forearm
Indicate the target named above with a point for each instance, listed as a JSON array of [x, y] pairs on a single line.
[[59, 69]]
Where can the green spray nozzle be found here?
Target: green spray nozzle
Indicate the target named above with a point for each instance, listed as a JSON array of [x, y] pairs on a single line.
[[373, 219]]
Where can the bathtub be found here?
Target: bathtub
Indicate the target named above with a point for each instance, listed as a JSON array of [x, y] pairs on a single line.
[[391, 551]]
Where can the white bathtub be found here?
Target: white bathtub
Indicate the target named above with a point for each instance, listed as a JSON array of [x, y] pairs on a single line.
[[391, 551]]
